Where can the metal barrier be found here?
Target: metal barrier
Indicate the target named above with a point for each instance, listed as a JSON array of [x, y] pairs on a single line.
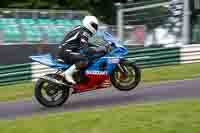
[[144, 57], [155, 56], [14, 73]]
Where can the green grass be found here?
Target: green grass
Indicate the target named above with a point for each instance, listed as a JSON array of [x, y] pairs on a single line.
[[16, 92], [176, 72], [179, 72], [177, 117]]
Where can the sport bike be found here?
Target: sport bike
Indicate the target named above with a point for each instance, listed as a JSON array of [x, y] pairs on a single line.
[[111, 69]]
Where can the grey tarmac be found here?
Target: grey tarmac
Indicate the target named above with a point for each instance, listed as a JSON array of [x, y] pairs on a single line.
[[186, 89]]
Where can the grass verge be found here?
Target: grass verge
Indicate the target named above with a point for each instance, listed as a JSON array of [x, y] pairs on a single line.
[[178, 72], [176, 117], [16, 92]]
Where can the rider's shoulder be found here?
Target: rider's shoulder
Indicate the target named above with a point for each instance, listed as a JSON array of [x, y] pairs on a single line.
[[78, 27]]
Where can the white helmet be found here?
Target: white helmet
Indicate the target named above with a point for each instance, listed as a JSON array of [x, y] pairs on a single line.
[[91, 23]]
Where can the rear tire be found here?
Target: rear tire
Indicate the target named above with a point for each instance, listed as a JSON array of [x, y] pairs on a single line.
[[49, 89], [134, 74]]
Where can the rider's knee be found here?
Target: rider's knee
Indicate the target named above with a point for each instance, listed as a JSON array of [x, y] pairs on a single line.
[[82, 64]]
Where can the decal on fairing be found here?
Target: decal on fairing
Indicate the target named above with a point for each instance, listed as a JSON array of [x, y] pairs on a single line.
[[97, 72], [114, 60]]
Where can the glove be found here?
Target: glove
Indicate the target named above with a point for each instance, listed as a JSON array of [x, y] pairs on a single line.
[[108, 48]]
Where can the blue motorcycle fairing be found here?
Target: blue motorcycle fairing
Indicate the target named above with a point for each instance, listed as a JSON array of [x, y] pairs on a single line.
[[109, 38], [111, 59], [97, 65], [48, 60]]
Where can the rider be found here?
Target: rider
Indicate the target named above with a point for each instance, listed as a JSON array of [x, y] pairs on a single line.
[[75, 43]]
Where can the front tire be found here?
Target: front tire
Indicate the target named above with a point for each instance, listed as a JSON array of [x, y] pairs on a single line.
[[128, 82], [45, 92]]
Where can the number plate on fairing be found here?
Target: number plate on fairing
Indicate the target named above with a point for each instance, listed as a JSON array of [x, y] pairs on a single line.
[[114, 60]]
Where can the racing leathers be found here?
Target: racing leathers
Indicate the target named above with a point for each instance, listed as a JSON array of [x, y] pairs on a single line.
[[74, 48]]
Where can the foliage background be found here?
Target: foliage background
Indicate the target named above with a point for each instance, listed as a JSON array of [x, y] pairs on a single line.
[[104, 9]]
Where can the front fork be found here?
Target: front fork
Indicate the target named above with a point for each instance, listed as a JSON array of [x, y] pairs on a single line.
[[123, 70]]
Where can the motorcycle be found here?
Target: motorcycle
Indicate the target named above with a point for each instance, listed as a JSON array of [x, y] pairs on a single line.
[[112, 69]]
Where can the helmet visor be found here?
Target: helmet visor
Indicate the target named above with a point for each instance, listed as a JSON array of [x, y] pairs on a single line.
[[95, 26]]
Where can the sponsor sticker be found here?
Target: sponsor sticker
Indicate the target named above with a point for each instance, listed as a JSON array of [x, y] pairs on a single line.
[[97, 72], [114, 60]]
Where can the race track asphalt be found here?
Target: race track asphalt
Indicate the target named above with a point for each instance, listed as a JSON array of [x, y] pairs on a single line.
[[187, 89]]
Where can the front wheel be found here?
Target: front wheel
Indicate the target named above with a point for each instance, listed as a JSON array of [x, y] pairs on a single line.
[[50, 94], [126, 76]]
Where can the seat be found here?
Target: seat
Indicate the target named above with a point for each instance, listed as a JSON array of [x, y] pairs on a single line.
[[34, 30], [44, 22], [33, 36], [12, 34], [8, 21], [76, 22], [53, 34], [32, 33], [8, 26], [26, 21], [59, 22]]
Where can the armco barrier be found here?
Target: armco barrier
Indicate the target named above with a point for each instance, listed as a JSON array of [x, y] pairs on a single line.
[[155, 56], [144, 57], [14, 73]]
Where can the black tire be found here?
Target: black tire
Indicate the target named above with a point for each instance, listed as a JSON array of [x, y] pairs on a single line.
[[43, 101], [131, 85]]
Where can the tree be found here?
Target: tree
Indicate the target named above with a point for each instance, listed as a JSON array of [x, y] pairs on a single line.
[[103, 9]]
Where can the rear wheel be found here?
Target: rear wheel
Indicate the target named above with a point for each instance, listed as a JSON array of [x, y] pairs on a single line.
[[50, 94], [126, 76]]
